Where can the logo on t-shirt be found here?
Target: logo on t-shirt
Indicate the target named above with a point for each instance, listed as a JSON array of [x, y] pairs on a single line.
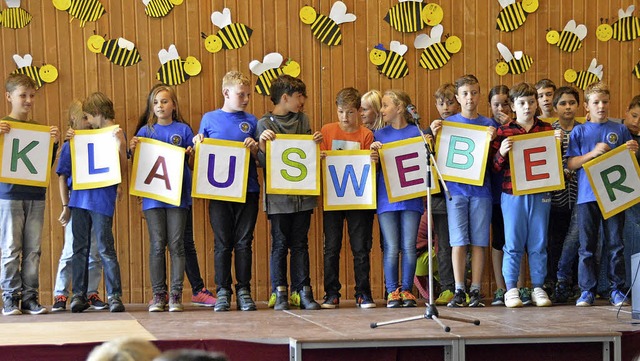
[[245, 127], [176, 139], [612, 138]]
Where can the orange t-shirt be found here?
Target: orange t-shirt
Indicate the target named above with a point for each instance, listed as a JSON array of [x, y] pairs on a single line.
[[334, 138]]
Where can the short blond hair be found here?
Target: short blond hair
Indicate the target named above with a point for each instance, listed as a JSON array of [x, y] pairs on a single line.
[[596, 88], [234, 78], [124, 349], [445, 91], [76, 115]]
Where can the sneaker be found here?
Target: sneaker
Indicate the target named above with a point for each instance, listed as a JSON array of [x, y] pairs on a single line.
[[158, 303], [540, 298], [203, 298], [586, 299], [59, 304], [498, 298], [459, 299], [294, 299], [365, 301], [512, 298], [79, 303], [618, 299], [272, 300], [223, 300], [96, 303], [548, 288], [444, 297], [244, 302], [32, 307], [408, 299], [561, 292], [525, 295], [11, 306], [475, 299], [175, 302], [115, 304], [331, 301], [394, 300]]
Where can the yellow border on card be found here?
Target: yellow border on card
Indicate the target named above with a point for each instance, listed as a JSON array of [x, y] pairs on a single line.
[[93, 185], [603, 158], [134, 173], [346, 153], [473, 182], [399, 143], [245, 171], [289, 191], [35, 128], [548, 133]]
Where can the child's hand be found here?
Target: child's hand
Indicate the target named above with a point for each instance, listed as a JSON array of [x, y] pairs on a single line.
[[505, 146], [198, 138], [4, 127], [65, 215], [55, 134], [559, 134], [251, 144], [492, 132], [323, 155], [119, 192], [119, 134], [435, 126], [375, 156], [501, 117], [428, 138], [267, 134], [600, 149], [632, 145], [133, 143], [190, 151], [317, 137], [69, 134]]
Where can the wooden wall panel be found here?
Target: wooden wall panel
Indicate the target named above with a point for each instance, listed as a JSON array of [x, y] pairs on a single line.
[[53, 38]]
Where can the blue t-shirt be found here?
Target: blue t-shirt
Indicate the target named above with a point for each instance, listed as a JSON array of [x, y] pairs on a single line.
[[237, 126], [468, 190], [389, 134], [178, 134], [100, 200], [583, 139]]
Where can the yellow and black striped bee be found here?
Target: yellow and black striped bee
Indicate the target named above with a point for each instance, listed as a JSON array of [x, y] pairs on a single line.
[[582, 79], [159, 8], [230, 36], [436, 54], [83, 10], [175, 71], [636, 70], [391, 62], [570, 39], [324, 28], [413, 15], [514, 14], [119, 51], [269, 69], [44, 74], [516, 63], [626, 28], [14, 17]]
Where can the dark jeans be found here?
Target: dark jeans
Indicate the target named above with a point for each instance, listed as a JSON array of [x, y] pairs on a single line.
[[441, 229], [233, 224], [166, 230], [191, 267], [289, 232], [589, 217], [359, 226], [83, 221], [570, 248], [497, 227], [631, 240], [559, 223]]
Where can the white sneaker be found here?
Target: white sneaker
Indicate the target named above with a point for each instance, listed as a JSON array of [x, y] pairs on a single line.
[[512, 298], [539, 298]]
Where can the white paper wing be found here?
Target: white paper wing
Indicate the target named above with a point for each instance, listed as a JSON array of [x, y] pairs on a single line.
[[21, 62], [339, 13], [126, 44], [221, 19], [505, 52], [398, 47]]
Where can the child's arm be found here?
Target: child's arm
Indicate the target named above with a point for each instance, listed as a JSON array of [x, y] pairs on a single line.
[[4, 127], [122, 151], [266, 135], [317, 137], [375, 156], [55, 134], [252, 145], [632, 145], [574, 163], [65, 215], [435, 126]]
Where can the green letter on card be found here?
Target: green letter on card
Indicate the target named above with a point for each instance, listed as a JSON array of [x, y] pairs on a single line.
[[22, 154], [462, 152], [294, 164], [610, 185]]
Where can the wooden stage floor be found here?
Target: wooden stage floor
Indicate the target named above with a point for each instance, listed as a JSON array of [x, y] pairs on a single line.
[[267, 334]]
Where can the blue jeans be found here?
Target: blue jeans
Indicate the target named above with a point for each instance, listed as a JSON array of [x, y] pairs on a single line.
[[84, 221], [631, 239], [570, 248], [233, 224], [20, 240], [166, 230], [589, 217], [399, 230], [289, 232], [63, 279]]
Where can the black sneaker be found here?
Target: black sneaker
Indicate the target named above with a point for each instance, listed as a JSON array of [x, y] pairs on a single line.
[[79, 303], [331, 301], [459, 299], [244, 302], [59, 304], [115, 304], [365, 301], [561, 294], [96, 303], [32, 307], [10, 307], [475, 299], [222, 301]]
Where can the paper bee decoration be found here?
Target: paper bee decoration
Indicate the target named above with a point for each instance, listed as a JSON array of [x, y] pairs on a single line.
[[324, 28], [119, 51], [436, 53], [516, 63], [14, 17], [83, 10], [410, 16], [570, 39], [230, 36], [159, 8], [390, 63], [626, 28], [514, 13], [175, 71], [636, 70], [582, 79], [269, 69], [44, 74]]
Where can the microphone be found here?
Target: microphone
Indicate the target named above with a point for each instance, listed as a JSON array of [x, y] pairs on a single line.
[[411, 109]]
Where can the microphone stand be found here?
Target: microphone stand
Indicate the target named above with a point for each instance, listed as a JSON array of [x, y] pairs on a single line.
[[431, 312]]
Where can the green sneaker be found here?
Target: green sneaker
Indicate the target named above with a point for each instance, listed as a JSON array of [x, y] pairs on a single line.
[[272, 300], [525, 296], [294, 299], [445, 297]]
